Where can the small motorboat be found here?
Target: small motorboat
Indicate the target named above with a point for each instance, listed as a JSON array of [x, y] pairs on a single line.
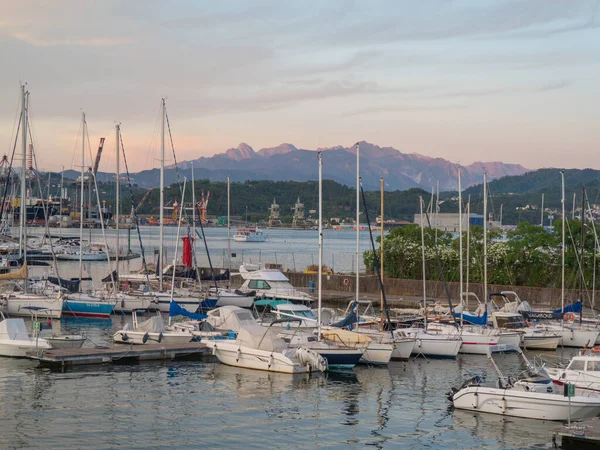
[[151, 331], [67, 341], [15, 342], [258, 347], [532, 396]]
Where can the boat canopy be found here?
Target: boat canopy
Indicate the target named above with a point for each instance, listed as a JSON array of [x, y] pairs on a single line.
[[272, 303], [576, 307], [152, 325], [231, 318], [259, 338], [471, 318], [176, 310]]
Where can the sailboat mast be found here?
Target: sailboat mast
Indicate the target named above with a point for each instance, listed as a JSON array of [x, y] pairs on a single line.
[[468, 245], [581, 280], [162, 198], [460, 239], [23, 206], [381, 188], [81, 211], [485, 219], [62, 190], [423, 261], [117, 192], [229, 231], [357, 218], [562, 284], [194, 216], [320, 279]]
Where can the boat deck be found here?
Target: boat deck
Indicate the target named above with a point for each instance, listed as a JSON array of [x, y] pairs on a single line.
[[120, 354], [582, 435]]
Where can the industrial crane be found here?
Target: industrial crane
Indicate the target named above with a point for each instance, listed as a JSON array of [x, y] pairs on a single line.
[[203, 204]]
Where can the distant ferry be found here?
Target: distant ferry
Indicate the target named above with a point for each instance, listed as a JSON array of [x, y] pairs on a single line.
[[249, 235]]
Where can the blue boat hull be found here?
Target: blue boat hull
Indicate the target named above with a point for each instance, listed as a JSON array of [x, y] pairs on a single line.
[[87, 309], [340, 360]]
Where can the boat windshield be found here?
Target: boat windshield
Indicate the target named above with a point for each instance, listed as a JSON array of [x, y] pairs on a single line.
[[259, 284], [306, 313], [512, 322]]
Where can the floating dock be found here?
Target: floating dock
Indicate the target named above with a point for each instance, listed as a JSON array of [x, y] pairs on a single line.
[[579, 436], [120, 354]]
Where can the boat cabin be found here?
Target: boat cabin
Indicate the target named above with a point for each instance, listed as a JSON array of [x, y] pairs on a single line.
[[585, 364]]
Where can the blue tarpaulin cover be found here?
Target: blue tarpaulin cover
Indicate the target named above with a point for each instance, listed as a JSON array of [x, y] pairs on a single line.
[[469, 318], [176, 310]]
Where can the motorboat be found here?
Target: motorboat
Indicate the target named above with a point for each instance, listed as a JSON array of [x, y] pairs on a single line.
[[531, 396], [66, 341], [582, 371], [270, 283], [249, 234], [433, 342], [150, 331], [282, 309], [533, 338], [15, 340], [257, 347], [570, 333]]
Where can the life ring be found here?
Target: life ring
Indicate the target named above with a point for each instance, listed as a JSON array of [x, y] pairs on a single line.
[[569, 317], [346, 281]]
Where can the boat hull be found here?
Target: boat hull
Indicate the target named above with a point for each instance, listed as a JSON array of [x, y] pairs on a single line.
[[13, 348], [15, 304], [530, 405], [541, 342], [66, 342], [377, 354], [477, 344], [236, 355], [403, 348], [78, 308], [340, 359]]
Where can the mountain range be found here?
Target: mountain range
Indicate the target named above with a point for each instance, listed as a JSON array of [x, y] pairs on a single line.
[[286, 162]]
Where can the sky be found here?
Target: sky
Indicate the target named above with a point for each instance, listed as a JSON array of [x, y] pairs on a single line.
[[508, 80]]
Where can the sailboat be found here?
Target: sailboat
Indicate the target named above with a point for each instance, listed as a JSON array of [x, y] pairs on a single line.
[[14, 302], [571, 335], [339, 355], [434, 342]]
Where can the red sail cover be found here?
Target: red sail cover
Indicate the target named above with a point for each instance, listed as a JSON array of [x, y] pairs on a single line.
[[186, 259]]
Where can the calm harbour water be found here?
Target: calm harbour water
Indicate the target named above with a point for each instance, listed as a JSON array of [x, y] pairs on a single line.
[[203, 404]]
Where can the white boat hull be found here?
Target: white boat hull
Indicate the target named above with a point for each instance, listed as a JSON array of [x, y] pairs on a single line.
[[13, 348], [531, 405], [14, 305], [541, 342], [233, 354], [377, 354], [125, 303], [403, 348], [477, 344], [573, 337], [235, 300], [74, 341]]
